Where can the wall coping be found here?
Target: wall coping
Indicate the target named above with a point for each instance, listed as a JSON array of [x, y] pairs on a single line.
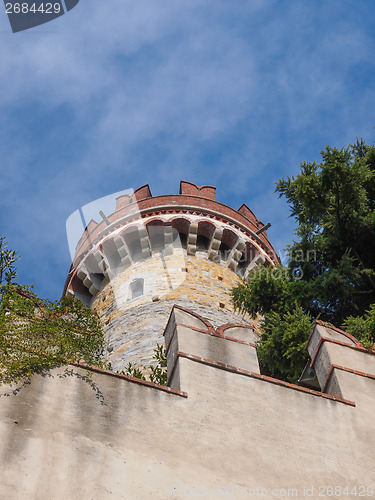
[[128, 378], [345, 369], [325, 324], [357, 348], [265, 378], [211, 330]]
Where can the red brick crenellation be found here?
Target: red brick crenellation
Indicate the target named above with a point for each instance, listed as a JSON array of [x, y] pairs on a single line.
[[192, 189], [145, 205]]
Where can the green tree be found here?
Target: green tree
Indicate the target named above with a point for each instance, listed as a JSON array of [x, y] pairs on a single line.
[[285, 326], [7, 260], [362, 327], [36, 334], [331, 265], [267, 289], [284, 333], [333, 204]]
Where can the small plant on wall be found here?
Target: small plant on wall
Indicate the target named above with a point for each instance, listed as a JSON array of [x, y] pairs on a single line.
[[158, 373]]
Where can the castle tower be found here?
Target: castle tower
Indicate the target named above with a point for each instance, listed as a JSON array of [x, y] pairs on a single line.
[[154, 252]]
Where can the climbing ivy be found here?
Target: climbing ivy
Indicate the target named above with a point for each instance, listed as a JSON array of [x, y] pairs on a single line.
[[37, 334]]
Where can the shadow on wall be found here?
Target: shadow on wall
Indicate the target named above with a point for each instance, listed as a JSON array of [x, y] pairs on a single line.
[[68, 372]]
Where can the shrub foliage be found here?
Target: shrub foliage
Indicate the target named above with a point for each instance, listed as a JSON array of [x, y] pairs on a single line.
[[331, 266], [37, 334]]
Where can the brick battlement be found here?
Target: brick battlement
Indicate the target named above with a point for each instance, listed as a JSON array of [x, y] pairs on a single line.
[[192, 199]]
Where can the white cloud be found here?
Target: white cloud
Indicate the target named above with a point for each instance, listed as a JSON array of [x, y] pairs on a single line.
[[119, 93]]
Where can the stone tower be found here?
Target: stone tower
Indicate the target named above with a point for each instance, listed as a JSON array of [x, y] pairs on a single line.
[[159, 269], [154, 252]]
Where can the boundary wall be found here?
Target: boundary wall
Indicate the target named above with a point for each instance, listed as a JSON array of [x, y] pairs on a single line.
[[220, 428]]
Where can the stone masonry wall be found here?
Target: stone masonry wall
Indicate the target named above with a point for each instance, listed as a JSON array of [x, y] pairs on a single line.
[[135, 326]]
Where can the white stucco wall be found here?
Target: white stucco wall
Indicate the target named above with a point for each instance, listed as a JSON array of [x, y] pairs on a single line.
[[82, 434]]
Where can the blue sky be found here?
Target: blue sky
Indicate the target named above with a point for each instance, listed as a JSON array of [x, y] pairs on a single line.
[[119, 93]]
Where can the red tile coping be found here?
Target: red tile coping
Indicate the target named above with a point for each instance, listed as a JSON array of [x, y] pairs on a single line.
[[332, 327], [258, 376], [338, 330], [215, 334], [220, 329], [162, 388], [345, 369], [218, 332], [198, 316], [212, 334], [357, 347]]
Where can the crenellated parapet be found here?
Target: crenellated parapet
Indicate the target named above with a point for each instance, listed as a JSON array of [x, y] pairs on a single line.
[[341, 363], [142, 225]]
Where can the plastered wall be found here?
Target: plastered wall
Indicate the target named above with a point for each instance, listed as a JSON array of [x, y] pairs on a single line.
[[224, 431]]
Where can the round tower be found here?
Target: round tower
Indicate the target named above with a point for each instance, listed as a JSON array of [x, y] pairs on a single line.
[[154, 252]]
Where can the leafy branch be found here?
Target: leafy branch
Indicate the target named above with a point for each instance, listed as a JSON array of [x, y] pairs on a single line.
[[36, 334], [158, 373]]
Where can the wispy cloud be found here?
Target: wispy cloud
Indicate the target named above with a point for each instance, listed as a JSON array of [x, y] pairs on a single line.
[[115, 94]]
